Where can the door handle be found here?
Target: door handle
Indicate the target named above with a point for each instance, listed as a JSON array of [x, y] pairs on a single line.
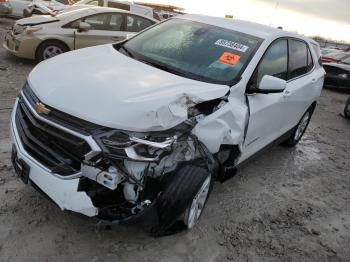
[[287, 93], [313, 80]]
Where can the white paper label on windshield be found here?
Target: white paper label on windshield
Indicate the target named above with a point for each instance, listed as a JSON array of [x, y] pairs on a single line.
[[232, 45]]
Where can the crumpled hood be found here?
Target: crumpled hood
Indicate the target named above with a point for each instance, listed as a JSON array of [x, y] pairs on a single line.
[[103, 86]]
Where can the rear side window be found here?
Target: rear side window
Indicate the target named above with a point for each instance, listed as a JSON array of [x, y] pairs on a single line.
[[300, 61], [274, 63], [310, 62], [317, 50], [136, 23]]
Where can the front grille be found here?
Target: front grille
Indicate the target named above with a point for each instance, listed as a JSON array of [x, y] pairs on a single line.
[[56, 149]]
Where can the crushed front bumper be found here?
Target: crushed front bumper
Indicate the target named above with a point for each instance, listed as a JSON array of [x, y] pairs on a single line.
[[21, 45], [62, 192]]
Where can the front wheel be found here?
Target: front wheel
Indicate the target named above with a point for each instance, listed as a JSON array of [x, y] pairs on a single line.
[[300, 129], [183, 199], [49, 49]]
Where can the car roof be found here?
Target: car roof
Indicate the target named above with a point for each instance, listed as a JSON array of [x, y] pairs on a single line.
[[251, 28], [91, 10]]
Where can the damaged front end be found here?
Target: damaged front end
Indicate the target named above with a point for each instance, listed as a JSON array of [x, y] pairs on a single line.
[[129, 174], [125, 173]]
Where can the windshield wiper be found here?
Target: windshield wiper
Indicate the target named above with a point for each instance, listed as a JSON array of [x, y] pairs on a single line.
[[163, 67], [126, 51]]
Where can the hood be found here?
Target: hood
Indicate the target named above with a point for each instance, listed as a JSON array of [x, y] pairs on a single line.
[[39, 19], [341, 66], [103, 86]]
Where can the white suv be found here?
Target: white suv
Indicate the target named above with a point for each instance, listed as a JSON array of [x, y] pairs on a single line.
[[146, 126]]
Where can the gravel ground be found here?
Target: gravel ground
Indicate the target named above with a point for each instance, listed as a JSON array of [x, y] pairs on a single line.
[[286, 205]]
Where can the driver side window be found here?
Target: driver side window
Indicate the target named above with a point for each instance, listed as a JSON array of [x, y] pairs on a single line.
[[274, 63]]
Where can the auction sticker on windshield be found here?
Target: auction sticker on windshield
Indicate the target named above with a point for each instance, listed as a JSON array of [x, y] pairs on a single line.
[[229, 59], [232, 45]]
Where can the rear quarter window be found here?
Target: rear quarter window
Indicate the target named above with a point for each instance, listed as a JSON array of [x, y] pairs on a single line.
[[300, 59]]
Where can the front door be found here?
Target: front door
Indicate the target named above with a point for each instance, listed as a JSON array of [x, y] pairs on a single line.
[[105, 28], [266, 114]]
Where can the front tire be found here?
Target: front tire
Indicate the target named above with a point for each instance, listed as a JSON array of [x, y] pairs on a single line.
[[300, 129], [49, 49], [183, 199]]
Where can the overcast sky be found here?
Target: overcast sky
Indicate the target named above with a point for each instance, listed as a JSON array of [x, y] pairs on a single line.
[[338, 10], [327, 18]]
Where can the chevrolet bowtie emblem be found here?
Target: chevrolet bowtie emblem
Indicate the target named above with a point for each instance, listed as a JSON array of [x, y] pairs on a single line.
[[40, 108]]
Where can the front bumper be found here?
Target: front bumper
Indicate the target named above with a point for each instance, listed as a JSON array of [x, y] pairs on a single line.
[[23, 46], [62, 192]]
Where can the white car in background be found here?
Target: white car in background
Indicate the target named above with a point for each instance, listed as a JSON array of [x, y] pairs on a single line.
[[42, 37], [19, 6], [148, 124], [123, 5]]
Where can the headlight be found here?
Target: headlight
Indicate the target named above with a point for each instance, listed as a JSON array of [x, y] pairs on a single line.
[[33, 29], [149, 147], [121, 145], [344, 75]]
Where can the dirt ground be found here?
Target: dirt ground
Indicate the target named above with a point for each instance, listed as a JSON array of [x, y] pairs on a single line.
[[286, 205]]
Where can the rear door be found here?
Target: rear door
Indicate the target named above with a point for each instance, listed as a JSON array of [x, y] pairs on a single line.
[[302, 85], [105, 28]]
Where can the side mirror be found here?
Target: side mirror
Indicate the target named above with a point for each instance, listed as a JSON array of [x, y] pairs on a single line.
[[83, 26], [271, 84]]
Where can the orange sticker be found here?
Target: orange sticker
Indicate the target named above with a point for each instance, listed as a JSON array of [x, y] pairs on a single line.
[[229, 59]]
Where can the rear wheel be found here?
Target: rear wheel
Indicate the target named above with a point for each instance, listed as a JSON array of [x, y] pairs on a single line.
[[347, 108], [300, 129], [49, 49]]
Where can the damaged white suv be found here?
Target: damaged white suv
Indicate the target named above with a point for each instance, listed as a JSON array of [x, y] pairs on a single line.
[[145, 126]]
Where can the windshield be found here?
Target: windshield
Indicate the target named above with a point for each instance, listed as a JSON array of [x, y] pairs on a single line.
[[194, 50]]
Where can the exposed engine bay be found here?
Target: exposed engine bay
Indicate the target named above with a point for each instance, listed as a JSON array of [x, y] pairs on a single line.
[[133, 168], [121, 188]]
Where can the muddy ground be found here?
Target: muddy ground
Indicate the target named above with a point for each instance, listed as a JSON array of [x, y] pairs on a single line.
[[286, 205]]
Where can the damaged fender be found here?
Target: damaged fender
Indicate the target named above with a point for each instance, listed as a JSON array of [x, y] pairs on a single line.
[[224, 126]]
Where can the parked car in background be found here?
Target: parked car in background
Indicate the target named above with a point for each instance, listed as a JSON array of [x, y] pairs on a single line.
[[338, 75], [335, 57], [166, 15], [149, 123], [5, 7], [325, 51], [347, 108], [42, 37], [124, 5], [19, 7]]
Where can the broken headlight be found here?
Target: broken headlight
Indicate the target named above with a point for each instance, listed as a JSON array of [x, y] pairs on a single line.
[[120, 145]]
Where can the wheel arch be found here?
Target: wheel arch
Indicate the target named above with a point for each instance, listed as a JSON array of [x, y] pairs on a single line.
[[50, 40]]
